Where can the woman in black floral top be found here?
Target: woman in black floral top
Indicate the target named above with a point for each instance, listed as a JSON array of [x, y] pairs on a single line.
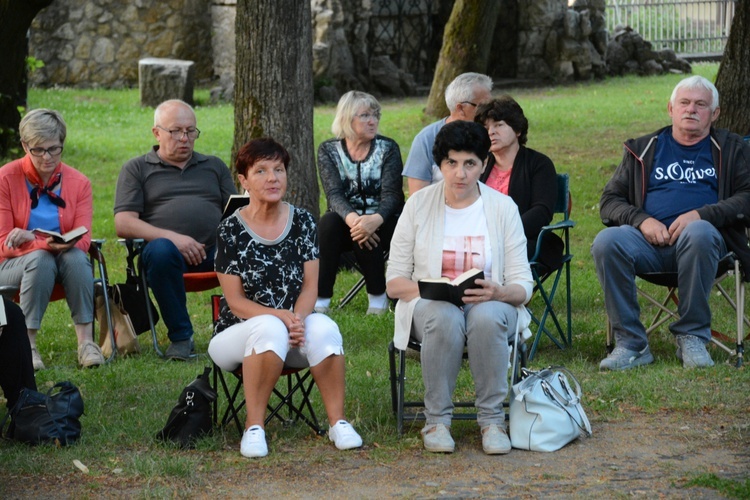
[[361, 174], [267, 264]]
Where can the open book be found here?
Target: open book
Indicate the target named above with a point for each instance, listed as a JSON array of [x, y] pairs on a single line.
[[233, 203], [71, 235], [450, 290]]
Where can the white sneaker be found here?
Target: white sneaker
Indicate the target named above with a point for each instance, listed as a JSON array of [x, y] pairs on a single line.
[[36, 360], [253, 443], [344, 436], [90, 354]]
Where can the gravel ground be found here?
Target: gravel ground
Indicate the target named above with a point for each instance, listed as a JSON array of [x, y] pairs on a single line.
[[647, 455]]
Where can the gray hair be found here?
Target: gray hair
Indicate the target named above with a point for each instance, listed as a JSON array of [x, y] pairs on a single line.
[[461, 89], [697, 82], [41, 125], [168, 104], [348, 106]]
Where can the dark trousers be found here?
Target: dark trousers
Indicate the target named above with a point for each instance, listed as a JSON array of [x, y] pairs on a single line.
[[164, 266], [334, 239], [16, 367]]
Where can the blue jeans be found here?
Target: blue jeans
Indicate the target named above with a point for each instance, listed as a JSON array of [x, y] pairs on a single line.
[[444, 329], [164, 267], [622, 252]]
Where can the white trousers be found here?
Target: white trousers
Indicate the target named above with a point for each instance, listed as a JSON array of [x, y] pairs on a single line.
[[268, 333]]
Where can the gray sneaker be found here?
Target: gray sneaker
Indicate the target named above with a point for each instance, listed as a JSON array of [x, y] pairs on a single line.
[[180, 350], [623, 359], [495, 440], [692, 352], [437, 438]]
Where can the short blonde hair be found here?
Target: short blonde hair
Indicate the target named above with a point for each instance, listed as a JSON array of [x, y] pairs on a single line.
[[42, 125], [348, 106]]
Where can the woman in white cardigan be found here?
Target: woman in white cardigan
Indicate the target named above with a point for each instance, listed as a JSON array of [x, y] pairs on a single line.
[[444, 230]]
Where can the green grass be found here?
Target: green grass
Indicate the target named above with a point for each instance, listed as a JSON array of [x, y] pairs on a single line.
[[581, 127]]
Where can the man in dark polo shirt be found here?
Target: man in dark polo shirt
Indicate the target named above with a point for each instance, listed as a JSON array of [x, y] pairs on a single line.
[[173, 198], [679, 200]]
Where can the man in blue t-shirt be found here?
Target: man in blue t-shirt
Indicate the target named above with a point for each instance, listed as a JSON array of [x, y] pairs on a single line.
[[462, 96], [677, 202]]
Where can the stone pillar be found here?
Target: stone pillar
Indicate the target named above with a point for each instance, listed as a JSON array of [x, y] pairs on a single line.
[[163, 79]]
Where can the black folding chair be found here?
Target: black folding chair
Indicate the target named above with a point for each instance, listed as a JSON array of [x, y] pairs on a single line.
[[413, 410], [298, 385]]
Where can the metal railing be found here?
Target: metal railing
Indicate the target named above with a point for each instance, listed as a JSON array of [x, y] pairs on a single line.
[[402, 29], [689, 27]]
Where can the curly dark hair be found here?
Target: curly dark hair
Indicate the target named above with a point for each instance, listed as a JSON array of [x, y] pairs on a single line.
[[461, 136], [256, 150], [506, 109]]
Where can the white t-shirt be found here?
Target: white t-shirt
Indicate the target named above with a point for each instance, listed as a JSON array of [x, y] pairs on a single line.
[[466, 243]]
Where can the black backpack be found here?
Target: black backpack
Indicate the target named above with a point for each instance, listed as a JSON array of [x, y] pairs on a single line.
[[191, 417]]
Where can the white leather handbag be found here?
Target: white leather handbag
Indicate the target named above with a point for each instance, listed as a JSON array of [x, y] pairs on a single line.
[[545, 410]]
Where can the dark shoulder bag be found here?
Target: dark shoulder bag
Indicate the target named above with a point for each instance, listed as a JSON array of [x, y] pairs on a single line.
[[191, 417], [47, 418]]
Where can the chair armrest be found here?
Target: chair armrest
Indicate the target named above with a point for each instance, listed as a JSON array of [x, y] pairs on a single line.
[[564, 226]]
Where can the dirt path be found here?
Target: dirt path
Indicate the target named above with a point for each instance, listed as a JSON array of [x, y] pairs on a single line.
[[650, 456]]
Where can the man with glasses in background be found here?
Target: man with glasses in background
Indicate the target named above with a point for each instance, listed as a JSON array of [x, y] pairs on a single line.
[[462, 96], [173, 197]]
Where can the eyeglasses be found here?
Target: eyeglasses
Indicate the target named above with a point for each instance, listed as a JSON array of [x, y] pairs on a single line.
[[469, 102], [53, 151], [366, 116], [177, 134]]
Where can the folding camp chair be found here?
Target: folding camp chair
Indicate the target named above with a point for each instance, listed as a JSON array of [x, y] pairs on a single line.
[[413, 410], [359, 285], [298, 385], [194, 282], [98, 263], [542, 275], [729, 267]]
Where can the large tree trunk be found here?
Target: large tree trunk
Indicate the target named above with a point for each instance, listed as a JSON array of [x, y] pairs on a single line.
[[733, 80], [15, 19], [274, 87], [466, 47]]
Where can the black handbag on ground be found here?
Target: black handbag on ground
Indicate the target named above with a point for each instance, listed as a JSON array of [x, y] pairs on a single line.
[[47, 418], [131, 298], [191, 417]]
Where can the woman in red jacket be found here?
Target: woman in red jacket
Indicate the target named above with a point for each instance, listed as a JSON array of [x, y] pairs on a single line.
[[38, 191]]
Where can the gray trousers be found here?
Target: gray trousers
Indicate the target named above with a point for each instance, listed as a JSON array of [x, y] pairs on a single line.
[[444, 330], [36, 274]]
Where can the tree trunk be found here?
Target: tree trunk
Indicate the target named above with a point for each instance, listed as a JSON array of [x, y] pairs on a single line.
[[274, 88], [466, 47], [15, 20], [733, 80]]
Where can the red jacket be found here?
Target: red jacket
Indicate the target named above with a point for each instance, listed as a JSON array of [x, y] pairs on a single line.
[[15, 207]]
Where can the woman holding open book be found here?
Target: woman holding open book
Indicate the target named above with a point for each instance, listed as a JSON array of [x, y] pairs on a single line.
[[445, 230], [39, 191]]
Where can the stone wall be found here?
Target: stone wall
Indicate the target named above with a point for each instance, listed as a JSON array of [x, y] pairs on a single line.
[[558, 43], [87, 43], [97, 43]]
